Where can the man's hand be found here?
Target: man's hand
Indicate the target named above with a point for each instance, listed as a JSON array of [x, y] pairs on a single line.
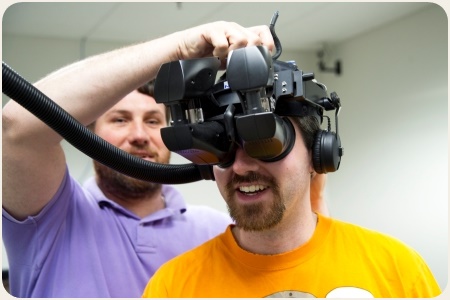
[[219, 38]]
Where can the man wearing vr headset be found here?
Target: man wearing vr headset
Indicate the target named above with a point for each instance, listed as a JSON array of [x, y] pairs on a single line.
[[278, 245], [107, 238]]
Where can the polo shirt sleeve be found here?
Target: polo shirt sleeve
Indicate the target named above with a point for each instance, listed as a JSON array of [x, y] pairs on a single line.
[[29, 241]]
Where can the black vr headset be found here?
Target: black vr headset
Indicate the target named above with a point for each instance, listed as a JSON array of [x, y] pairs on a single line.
[[247, 107]]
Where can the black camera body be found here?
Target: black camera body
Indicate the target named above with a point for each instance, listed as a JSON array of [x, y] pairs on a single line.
[[247, 107]]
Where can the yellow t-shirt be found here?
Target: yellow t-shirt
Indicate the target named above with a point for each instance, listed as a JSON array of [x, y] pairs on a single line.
[[340, 260]]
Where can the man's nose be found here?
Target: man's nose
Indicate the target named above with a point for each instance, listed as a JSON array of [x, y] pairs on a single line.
[[244, 163], [138, 134]]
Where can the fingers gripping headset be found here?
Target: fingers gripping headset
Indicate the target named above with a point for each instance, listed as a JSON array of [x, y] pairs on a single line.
[[247, 107]]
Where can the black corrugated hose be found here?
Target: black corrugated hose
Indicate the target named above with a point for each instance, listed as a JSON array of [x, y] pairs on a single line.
[[28, 96]]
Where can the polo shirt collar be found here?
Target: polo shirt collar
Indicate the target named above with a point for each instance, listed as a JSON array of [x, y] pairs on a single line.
[[175, 204]]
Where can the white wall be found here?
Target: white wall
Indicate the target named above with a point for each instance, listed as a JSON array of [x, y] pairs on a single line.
[[393, 126], [394, 129]]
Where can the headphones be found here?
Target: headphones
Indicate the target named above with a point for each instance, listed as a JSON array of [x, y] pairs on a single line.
[[327, 149], [326, 152]]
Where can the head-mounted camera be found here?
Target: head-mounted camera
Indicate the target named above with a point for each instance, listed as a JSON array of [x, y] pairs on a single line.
[[247, 107]]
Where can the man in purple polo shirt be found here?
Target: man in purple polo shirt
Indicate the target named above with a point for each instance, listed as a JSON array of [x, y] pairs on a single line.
[[106, 238]]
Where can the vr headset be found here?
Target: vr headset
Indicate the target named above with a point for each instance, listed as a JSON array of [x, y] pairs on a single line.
[[247, 107]]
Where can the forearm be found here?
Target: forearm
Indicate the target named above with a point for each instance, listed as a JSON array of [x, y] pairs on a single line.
[[88, 88]]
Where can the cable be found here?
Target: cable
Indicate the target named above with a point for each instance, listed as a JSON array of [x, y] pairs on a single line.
[[28, 96], [275, 37]]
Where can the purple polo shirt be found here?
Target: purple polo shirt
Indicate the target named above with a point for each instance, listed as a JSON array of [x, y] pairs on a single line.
[[85, 245]]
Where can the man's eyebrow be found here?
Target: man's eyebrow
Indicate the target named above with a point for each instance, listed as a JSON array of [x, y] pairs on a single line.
[[154, 112], [120, 111], [125, 111]]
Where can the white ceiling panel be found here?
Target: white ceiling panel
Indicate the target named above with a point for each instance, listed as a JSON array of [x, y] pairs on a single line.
[[300, 26]]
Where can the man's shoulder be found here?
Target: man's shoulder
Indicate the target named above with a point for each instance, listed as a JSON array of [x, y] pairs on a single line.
[[195, 256], [376, 240], [184, 270]]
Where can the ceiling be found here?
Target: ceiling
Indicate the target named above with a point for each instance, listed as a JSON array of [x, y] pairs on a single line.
[[300, 25]]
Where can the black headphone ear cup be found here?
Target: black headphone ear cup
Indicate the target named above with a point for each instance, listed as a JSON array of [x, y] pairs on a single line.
[[327, 152], [317, 152]]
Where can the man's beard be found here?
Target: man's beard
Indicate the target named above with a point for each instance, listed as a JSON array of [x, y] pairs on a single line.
[[123, 186], [255, 216]]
